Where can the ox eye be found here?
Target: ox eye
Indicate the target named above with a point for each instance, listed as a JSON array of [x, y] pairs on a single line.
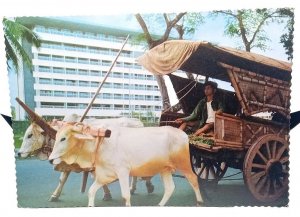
[[29, 136], [63, 139]]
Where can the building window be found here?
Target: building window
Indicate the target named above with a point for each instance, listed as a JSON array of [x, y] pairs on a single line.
[[71, 60], [45, 93], [157, 98], [95, 73], [71, 71], [117, 75], [84, 95], [107, 96], [70, 47], [45, 81], [149, 98], [71, 94], [83, 60], [106, 63], [149, 87], [126, 96], [94, 62], [117, 86], [118, 107], [83, 72], [44, 57], [118, 96], [157, 108], [107, 85], [59, 93], [58, 82], [126, 75], [82, 105], [139, 97], [84, 83], [58, 70], [44, 69], [93, 50], [95, 84], [52, 105], [71, 82], [127, 65], [58, 58]]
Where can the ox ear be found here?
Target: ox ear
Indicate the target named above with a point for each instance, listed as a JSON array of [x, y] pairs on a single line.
[[83, 136]]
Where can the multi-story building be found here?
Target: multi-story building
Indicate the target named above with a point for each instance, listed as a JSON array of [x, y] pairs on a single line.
[[72, 61]]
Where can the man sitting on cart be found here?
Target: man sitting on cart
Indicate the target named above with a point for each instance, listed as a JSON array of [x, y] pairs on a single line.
[[203, 116]]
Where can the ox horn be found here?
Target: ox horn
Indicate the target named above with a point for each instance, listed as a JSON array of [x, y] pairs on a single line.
[[38, 120]]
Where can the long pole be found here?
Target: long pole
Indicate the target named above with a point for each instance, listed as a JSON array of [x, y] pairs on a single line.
[[85, 174], [102, 83]]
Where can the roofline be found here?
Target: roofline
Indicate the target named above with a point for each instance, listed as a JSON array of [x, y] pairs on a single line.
[[77, 26]]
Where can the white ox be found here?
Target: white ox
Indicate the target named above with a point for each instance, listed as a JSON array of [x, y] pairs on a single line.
[[34, 139], [136, 152]]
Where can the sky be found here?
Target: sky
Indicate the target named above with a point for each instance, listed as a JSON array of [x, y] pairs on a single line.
[[211, 30]]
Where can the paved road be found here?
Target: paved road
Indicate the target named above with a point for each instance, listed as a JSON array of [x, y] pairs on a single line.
[[36, 180]]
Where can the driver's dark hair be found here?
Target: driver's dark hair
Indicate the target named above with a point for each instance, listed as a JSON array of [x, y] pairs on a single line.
[[214, 85]]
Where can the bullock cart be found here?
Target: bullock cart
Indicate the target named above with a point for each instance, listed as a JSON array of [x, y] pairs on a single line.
[[242, 139]]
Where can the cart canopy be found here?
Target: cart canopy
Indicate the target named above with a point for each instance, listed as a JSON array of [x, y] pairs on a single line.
[[204, 58]]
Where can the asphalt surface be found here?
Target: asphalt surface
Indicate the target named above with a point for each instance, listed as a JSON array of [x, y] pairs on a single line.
[[36, 180]]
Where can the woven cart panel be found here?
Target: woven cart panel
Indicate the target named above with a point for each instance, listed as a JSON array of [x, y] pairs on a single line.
[[258, 93], [252, 131], [228, 129]]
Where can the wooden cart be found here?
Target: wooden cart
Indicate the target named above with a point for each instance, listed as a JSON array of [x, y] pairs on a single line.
[[242, 140]]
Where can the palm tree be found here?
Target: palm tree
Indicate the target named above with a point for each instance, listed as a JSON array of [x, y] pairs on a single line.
[[14, 33]]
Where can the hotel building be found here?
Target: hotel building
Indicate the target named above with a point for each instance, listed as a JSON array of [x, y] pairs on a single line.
[[70, 64]]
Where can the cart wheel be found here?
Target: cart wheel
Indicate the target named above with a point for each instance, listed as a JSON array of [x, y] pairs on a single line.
[[266, 168], [208, 170]]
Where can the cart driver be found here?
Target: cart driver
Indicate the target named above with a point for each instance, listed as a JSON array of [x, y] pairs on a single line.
[[203, 116]]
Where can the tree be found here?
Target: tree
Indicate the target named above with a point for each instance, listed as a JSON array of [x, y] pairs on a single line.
[[171, 22], [249, 25], [287, 38], [14, 33]]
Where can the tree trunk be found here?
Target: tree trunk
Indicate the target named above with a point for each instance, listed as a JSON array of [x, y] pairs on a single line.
[[248, 47], [163, 91]]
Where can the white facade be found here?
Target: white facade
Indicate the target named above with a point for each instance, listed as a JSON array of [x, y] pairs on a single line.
[[69, 66]]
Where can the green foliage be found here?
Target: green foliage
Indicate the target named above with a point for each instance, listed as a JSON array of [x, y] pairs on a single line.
[[156, 25], [14, 33], [191, 21], [19, 128], [248, 26], [287, 38]]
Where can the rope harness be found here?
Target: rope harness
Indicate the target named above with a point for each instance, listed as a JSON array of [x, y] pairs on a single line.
[[195, 84]]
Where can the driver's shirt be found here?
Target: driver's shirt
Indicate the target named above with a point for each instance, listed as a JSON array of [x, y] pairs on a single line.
[[210, 113]]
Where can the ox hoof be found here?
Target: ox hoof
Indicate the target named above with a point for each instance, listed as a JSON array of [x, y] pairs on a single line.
[[199, 204], [132, 191], [107, 197], [53, 199], [150, 187]]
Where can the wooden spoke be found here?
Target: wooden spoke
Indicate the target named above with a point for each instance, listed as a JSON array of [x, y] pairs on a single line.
[[208, 169], [266, 168], [261, 183], [284, 160], [262, 156], [212, 172], [274, 149], [258, 175], [268, 150], [260, 166], [281, 151], [267, 187]]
